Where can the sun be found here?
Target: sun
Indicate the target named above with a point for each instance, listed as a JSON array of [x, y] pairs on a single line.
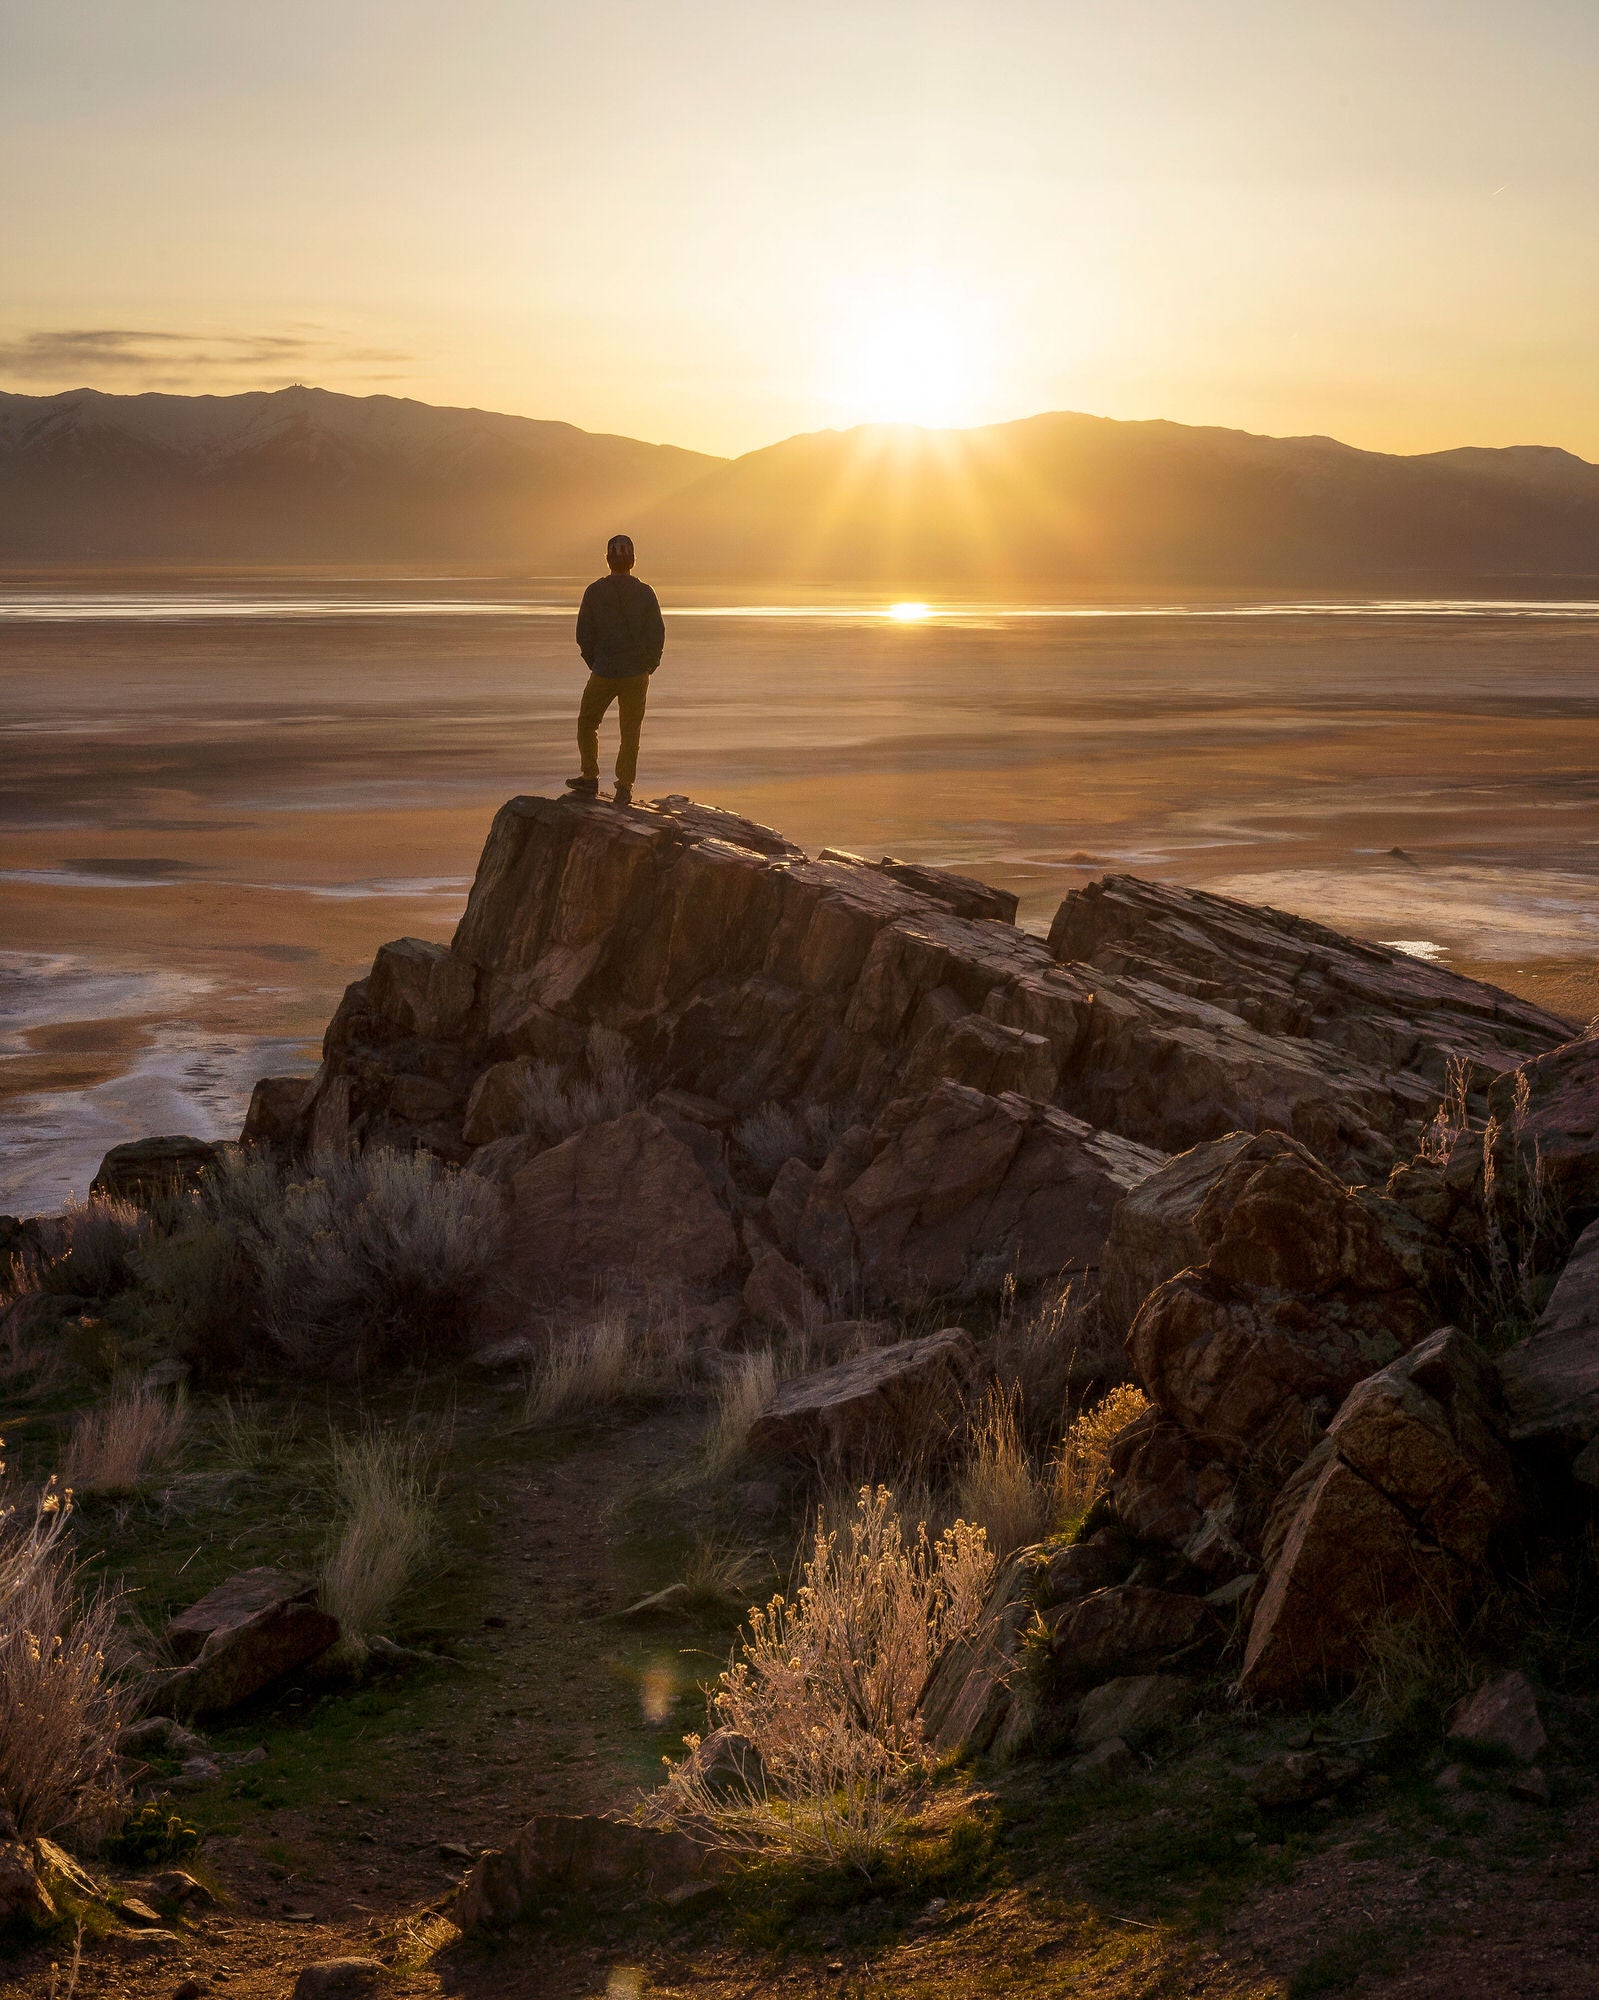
[[909, 613], [912, 356]]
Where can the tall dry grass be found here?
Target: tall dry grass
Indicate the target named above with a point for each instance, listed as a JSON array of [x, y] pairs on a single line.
[[777, 1133], [120, 1445], [1002, 1487], [620, 1352], [385, 1528], [91, 1249], [824, 1686], [742, 1393], [61, 1703], [1051, 1353]]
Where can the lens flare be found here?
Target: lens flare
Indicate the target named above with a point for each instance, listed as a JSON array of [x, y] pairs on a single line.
[[909, 614]]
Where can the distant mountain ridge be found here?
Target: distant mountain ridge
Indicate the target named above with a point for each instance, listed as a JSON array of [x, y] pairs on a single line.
[[1061, 501], [308, 475]]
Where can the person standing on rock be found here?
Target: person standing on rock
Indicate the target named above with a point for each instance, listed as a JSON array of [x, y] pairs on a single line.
[[621, 636]]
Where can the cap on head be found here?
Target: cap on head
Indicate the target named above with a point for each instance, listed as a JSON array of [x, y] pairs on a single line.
[[619, 551]]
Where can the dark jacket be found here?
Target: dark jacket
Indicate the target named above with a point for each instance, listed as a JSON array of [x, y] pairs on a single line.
[[619, 627]]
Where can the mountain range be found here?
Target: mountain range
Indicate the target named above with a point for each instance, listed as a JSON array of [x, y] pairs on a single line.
[[1062, 502]]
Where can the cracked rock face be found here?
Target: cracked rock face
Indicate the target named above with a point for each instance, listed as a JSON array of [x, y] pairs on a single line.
[[1393, 1515], [1306, 1286]]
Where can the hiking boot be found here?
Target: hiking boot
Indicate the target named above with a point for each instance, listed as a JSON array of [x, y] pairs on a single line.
[[624, 795], [586, 788]]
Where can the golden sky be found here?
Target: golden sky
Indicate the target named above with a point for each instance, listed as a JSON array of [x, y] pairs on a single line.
[[719, 224]]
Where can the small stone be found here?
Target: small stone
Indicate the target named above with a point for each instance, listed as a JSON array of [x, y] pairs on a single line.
[[189, 1989], [1531, 1785], [132, 1911], [177, 1885], [1107, 1763], [453, 1850], [1502, 1716], [196, 1774], [335, 1978]]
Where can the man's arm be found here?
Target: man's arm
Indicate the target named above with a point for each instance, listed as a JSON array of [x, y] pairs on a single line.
[[655, 630], [587, 635]]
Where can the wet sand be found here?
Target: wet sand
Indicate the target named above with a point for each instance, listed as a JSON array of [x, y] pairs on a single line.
[[209, 822]]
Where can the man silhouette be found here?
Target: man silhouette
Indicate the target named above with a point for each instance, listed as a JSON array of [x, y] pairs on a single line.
[[621, 637]]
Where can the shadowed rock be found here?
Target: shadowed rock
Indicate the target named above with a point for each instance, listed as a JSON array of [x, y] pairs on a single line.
[[1392, 1516], [243, 1636], [904, 1395], [559, 1856], [623, 1197], [1551, 1379]]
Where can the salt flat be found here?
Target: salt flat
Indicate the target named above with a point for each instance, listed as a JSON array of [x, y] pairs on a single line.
[[220, 794]]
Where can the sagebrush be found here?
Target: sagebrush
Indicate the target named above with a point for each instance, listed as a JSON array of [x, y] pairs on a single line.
[[823, 1689], [62, 1702]]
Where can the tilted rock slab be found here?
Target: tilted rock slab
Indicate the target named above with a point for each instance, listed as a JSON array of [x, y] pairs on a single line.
[[745, 971], [558, 1856], [1392, 1516], [955, 1190], [1128, 1629], [908, 1392], [243, 1636], [1307, 1286], [969, 1694]]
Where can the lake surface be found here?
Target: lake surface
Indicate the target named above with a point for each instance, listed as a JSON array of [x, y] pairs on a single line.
[[219, 796]]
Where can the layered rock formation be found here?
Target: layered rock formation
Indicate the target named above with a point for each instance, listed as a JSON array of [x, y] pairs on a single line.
[[858, 1079], [998, 1094]]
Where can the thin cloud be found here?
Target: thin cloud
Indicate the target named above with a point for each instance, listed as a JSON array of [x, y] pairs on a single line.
[[160, 358]]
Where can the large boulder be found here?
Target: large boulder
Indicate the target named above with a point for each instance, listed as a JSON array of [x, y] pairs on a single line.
[[422, 989], [562, 1857], [1307, 1286], [1171, 1488], [242, 1637], [147, 1170], [1551, 1379], [1393, 1516], [620, 1199], [1132, 1709], [956, 1191], [1154, 1230], [906, 1394]]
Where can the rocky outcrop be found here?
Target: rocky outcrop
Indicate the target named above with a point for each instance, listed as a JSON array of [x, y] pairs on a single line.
[[955, 1191], [623, 1198], [1549, 1109], [744, 972], [242, 1637], [558, 1856], [1551, 1380], [1392, 1516], [904, 1396], [1307, 1285]]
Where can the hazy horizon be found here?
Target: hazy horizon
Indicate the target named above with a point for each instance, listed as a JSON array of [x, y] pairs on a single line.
[[725, 225]]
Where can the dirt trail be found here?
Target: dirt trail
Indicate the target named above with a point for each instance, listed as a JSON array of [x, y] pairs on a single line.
[[554, 1705]]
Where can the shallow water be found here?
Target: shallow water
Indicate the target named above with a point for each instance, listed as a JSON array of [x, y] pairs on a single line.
[[219, 796]]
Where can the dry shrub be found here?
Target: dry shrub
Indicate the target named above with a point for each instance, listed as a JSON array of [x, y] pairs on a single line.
[[60, 1703], [118, 1446], [1084, 1463], [721, 1572], [611, 1356], [824, 1687], [386, 1518], [1002, 1488], [380, 1259], [1046, 1355], [741, 1395], [556, 1104], [91, 1249], [777, 1133]]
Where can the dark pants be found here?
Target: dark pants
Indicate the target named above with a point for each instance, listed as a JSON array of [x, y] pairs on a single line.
[[630, 693]]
